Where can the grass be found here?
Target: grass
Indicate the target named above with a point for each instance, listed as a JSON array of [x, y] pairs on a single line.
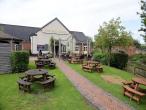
[[114, 89], [63, 97]]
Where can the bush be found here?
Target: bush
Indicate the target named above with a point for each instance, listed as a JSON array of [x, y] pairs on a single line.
[[119, 60], [19, 61], [138, 58], [101, 57]]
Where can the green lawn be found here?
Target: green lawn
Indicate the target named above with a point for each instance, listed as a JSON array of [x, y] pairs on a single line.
[[63, 97], [115, 89]]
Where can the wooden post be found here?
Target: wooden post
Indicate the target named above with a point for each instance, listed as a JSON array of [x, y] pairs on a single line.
[[82, 47], [72, 45], [59, 48], [54, 49], [11, 44], [87, 47]]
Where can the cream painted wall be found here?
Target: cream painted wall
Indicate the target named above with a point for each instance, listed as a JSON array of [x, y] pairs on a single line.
[[55, 30]]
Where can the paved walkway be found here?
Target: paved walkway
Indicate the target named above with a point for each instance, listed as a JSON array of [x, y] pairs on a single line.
[[95, 95]]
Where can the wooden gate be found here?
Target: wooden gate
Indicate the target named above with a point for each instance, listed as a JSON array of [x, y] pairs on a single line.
[[5, 64]]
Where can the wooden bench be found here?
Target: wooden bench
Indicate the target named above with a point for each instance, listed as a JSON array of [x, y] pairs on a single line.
[[75, 61], [87, 68], [69, 60], [24, 85], [39, 64], [52, 65], [132, 93], [48, 83], [24, 78], [99, 69]]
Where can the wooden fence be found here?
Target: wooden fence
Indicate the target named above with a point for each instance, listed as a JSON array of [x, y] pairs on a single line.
[[136, 68]]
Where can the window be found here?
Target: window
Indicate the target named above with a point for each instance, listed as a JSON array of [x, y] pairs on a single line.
[[18, 47], [85, 48], [42, 47], [77, 48], [63, 49]]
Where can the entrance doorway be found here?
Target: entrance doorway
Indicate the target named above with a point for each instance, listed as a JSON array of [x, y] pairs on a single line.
[[57, 50]]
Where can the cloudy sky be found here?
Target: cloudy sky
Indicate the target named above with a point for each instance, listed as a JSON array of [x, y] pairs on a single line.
[[77, 15]]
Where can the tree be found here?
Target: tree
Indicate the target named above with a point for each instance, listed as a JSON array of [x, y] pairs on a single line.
[[136, 44], [143, 19], [112, 34]]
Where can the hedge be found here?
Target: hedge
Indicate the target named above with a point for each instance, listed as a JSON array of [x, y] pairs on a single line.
[[119, 60], [19, 61], [101, 57]]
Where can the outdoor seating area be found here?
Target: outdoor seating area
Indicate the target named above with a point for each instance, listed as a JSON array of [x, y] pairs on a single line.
[[40, 76], [133, 88], [42, 62], [76, 59], [92, 66]]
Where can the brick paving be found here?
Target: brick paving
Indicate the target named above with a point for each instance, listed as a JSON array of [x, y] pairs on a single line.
[[95, 95]]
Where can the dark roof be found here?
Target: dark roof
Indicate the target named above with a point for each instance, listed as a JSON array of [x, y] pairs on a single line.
[[58, 21], [21, 32], [5, 36], [79, 36], [24, 32]]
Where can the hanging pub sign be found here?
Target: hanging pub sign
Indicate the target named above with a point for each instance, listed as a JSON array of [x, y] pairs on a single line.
[[42, 47]]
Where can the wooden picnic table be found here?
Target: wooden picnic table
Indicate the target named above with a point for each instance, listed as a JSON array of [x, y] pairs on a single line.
[[132, 89], [139, 80], [45, 61], [35, 72], [76, 60], [93, 62]]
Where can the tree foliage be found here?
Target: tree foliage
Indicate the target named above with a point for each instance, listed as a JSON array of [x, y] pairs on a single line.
[[137, 44], [143, 19], [112, 34]]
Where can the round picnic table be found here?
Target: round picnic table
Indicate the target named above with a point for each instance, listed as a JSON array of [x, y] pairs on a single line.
[[34, 72]]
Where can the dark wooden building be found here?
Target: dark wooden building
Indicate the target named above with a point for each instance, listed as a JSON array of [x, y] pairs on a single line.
[[21, 32], [8, 44]]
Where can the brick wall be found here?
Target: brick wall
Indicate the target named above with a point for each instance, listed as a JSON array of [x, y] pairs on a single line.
[[131, 50], [26, 45]]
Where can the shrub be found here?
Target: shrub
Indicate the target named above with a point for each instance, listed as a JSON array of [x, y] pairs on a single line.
[[19, 61], [119, 60], [138, 58], [101, 57]]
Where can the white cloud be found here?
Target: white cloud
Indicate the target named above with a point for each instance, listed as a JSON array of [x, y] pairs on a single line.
[[81, 15]]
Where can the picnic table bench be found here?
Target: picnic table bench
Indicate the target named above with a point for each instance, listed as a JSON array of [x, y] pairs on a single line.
[[24, 85], [92, 66], [87, 67], [48, 83], [52, 65], [133, 93], [39, 64], [39, 75]]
